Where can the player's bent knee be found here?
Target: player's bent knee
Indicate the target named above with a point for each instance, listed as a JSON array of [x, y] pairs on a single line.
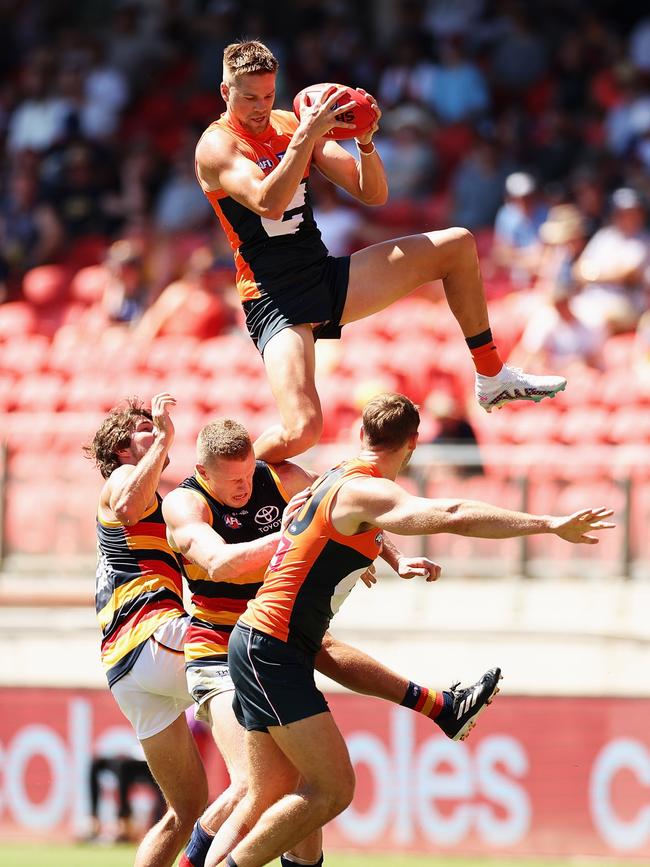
[[306, 431]]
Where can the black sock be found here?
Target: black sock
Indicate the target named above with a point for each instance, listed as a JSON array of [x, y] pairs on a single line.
[[287, 862]]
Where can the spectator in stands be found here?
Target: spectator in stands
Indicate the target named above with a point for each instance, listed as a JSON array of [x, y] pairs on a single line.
[[516, 228], [341, 226], [564, 236], [452, 428], [181, 205], [477, 186], [203, 303], [406, 152], [39, 118], [30, 233], [458, 89], [557, 336], [106, 93], [641, 352], [613, 267], [82, 195], [407, 77], [126, 292], [519, 59]]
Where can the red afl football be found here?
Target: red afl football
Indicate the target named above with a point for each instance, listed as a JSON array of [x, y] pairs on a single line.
[[362, 114]]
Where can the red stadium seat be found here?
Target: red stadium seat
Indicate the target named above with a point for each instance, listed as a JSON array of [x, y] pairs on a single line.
[[617, 351], [630, 425], [170, 355], [89, 284], [46, 284], [17, 318], [40, 393], [24, 355], [582, 426]]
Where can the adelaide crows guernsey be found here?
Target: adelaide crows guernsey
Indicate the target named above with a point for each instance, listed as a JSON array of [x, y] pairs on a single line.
[[138, 587], [314, 568], [269, 254], [216, 605]]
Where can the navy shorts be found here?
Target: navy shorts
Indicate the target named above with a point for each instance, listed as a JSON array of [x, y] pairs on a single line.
[[317, 296], [274, 681]]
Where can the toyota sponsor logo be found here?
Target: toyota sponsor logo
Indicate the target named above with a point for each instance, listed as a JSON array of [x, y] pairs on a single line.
[[267, 515]]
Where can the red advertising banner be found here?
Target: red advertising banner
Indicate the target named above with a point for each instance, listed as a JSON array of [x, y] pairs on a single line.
[[539, 776]]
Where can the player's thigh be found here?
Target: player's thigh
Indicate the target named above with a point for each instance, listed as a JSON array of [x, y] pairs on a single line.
[[174, 760], [316, 748], [387, 271], [290, 362], [228, 734], [271, 774]]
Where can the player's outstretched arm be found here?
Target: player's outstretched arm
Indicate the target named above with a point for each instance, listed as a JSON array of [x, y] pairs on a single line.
[[188, 522], [408, 567], [131, 489], [383, 503]]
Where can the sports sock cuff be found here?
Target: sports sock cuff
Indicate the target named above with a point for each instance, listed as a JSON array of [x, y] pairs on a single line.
[[198, 845], [478, 340], [289, 860], [422, 700]]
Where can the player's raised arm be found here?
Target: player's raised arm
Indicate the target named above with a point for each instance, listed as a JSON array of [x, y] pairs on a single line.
[[131, 488], [383, 503], [188, 521]]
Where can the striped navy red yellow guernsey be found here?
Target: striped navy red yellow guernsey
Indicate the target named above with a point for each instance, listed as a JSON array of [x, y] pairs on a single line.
[[314, 567], [216, 605], [269, 253], [138, 587]]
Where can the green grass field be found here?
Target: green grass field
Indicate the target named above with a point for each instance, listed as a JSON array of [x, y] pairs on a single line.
[[55, 855]]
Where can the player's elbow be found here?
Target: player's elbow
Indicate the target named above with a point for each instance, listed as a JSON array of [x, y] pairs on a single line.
[[377, 200]]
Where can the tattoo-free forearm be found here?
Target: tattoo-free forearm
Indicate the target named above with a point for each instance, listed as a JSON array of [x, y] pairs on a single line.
[[130, 496]]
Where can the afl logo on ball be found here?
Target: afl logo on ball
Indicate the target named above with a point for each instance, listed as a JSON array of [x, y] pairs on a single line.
[[267, 515]]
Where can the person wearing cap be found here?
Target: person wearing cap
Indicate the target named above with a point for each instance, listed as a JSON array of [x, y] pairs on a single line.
[[554, 333], [613, 267], [517, 245]]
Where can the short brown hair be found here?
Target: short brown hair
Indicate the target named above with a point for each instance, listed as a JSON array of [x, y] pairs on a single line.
[[389, 420], [245, 58], [223, 438], [115, 434]]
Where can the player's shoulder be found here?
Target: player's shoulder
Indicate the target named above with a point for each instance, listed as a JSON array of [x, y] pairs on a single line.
[[291, 477], [184, 502]]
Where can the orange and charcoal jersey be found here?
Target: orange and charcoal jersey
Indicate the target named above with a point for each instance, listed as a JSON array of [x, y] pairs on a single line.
[[216, 605], [269, 254], [138, 587], [314, 568]]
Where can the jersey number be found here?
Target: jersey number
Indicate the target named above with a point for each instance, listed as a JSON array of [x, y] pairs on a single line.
[[292, 217]]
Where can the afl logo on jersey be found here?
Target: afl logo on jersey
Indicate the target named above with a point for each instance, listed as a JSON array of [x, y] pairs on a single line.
[[232, 522], [379, 538], [265, 163], [267, 515]]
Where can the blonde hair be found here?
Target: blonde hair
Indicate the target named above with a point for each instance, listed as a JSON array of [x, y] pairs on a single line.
[[247, 57], [223, 438], [389, 420]]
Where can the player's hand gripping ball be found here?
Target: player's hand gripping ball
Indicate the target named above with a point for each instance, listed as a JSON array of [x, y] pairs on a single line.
[[362, 114]]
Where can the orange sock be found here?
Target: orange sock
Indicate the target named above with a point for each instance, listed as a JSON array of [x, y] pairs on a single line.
[[484, 353]]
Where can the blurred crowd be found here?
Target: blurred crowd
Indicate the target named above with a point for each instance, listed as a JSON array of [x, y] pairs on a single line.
[[528, 122]]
